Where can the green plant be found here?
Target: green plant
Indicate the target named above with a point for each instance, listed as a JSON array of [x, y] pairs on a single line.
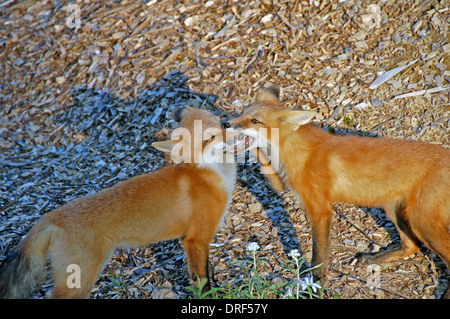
[[121, 284], [306, 287], [255, 285], [349, 121], [197, 289]]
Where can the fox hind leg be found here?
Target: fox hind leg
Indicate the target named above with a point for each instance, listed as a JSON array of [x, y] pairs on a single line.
[[76, 268], [410, 244], [436, 234]]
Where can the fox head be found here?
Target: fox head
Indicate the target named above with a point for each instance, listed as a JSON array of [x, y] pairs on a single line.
[[199, 138], [266, 122]]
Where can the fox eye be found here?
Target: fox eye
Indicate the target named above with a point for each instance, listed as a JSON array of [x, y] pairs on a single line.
[[212, 138], [255, 121]]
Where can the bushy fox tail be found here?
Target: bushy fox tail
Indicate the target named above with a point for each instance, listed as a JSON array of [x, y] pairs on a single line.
[[23, 268]]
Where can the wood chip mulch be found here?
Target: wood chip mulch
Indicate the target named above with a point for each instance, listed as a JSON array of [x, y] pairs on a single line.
[[85, 88]]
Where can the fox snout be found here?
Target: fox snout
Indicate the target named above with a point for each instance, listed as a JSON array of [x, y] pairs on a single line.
[[235, 127], [226, 125]]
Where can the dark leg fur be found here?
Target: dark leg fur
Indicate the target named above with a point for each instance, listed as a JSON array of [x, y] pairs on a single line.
[[409, 241]]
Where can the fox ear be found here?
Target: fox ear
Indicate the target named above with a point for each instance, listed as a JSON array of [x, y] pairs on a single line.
[[165, 146], [296, 117], [177, 113], [271, 94]]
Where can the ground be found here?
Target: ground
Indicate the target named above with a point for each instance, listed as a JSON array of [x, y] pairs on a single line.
[[85, 88]]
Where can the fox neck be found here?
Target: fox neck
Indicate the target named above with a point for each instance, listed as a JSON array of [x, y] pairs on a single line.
[[226, 170], [289, 153]]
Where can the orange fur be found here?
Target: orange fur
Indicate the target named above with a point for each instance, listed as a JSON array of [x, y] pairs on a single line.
[[269, 172], [182, 201], [410, 179]]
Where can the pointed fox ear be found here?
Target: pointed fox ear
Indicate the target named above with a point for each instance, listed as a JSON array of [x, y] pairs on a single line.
[[296, 117], [165, 146], [177, 113], [271, 94]]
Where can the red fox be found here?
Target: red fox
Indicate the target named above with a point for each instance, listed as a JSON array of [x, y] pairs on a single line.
[[187, 201], [409, 179]]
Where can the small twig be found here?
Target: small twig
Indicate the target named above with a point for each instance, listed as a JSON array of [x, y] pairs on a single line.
[[8, 205], [6, 3], [353, 250], [378, 125], [357, 228], [285, 21], [422, 92]]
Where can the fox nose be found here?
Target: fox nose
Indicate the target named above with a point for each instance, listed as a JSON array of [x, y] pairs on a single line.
[[225, 125]]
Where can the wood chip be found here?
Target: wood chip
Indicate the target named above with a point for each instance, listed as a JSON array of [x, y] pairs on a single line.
[[422, 92], [389, 74]]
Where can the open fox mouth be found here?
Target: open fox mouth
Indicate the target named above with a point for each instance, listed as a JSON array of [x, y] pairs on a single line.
[[241, 146]]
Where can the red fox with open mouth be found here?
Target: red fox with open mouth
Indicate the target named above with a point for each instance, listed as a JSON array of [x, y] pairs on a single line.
[[187, 201], [409, 179]]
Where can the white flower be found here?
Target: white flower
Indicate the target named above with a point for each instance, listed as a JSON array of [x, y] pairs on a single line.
[[252, 247], [289, 293], [294, 253], [308, 281]]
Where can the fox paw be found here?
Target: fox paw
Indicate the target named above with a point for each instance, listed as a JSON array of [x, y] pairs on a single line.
[[365, 258]]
